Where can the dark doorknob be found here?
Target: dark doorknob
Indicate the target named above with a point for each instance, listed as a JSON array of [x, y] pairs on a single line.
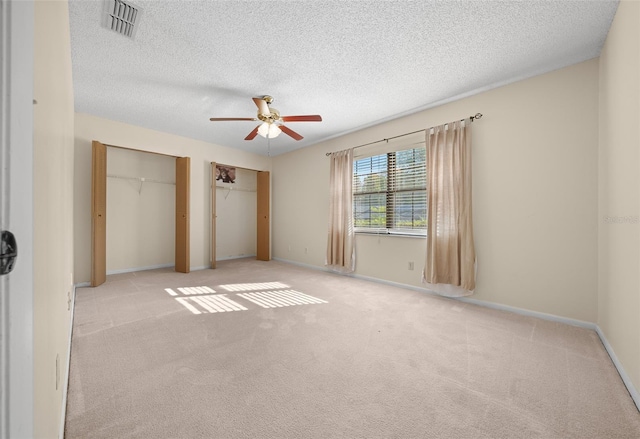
[[8, 252]]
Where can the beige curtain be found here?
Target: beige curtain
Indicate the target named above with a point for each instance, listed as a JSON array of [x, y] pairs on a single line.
[[450, 267], [341, 240]]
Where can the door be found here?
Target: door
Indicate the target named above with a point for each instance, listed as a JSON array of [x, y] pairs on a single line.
[[213, 215], [98, 213], [263, 189], [16, 216], [183, 172]]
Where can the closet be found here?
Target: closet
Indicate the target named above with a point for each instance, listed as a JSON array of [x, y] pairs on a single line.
[[148, 204], [240, 219]]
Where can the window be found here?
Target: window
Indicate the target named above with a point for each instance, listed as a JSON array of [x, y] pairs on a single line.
[[389, 193]]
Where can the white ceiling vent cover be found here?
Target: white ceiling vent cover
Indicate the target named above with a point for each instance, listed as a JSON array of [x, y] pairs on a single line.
[[121, 17]]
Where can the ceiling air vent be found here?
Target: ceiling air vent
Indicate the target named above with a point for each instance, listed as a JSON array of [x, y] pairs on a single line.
[[122, 17]]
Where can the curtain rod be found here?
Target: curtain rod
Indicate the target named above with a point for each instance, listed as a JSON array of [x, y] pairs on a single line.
[[477, 116]]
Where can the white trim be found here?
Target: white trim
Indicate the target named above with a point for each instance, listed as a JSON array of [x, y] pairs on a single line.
[[201, 267], [312, 267], [65, 387], [131, 270], [492, 305], [633, 392], [228, 258], [635, 396], [134, 270], [16, 145], [528, 313]]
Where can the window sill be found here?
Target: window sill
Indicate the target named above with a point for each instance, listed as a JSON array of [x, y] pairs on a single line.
[[395, 235]]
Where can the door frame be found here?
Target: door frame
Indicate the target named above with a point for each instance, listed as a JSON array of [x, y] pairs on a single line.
[[182, 259], [16, 215], [98, 213], [212, 230], [262, 241], [263, 221], [186, 262]]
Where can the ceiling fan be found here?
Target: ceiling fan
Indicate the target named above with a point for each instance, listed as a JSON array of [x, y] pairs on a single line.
[[269, 116]]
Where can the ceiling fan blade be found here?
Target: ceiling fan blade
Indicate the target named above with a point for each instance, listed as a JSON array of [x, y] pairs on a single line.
[[307, 118], [252, 135], [222, 119], [263, 108], [290, 132]]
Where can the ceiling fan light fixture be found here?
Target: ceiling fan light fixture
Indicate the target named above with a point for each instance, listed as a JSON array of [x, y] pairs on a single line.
[[270, 130], [274, 131], [264, 129]]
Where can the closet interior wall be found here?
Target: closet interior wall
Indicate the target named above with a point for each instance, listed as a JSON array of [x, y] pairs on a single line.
[[141, 210], [236, 211]]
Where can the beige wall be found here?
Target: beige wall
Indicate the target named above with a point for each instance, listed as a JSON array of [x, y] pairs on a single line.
[[53, 207], [535, 195], [619, 189], [88, 128]]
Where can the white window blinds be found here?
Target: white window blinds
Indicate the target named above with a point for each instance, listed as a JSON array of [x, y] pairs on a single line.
[[389, 192]]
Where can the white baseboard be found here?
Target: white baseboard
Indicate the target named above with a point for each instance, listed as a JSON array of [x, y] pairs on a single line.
[[528, 313], [202, 267], [65, 387], [300, 264], [227, 258], [551, 317], [623, 374], [131, 270]]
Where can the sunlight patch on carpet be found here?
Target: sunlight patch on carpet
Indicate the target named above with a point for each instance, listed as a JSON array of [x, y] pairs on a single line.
[[189, 291], [210, 304], [200, 300], [277, 299], [255, 286], [196, 290]]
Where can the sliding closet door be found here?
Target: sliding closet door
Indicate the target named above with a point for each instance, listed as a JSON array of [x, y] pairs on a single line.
[[98, 213], [183, 172], [262, 246], [213, 215]]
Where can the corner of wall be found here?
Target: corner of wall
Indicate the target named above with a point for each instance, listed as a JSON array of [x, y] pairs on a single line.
[[619, 193]]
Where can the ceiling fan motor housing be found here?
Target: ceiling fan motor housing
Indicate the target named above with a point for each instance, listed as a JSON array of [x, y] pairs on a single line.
[[273, 116]]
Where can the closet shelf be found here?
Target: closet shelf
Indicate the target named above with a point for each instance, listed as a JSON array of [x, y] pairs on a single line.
[[141, 179], [234, 188]]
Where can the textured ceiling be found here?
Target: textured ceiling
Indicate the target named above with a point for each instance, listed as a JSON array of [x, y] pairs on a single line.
[[356, 63]]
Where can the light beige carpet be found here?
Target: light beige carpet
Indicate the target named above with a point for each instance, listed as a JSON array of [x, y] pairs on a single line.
[[157, 355]]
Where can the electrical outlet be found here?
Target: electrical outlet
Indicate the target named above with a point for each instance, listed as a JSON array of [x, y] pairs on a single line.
[[305, 250], [411, 266]]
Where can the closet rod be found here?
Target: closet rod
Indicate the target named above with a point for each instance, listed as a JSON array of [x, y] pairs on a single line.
[[141, 179], [237, 167], [231, 188], [477, 116]]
